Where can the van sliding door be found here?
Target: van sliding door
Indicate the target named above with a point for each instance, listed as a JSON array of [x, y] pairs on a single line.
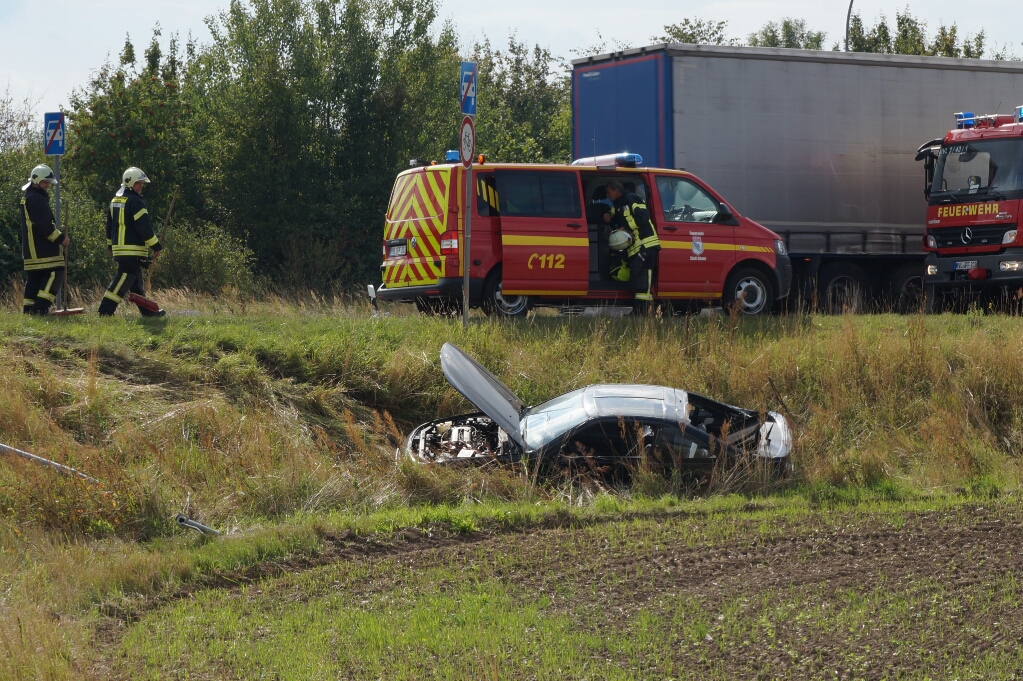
[[546, 250]]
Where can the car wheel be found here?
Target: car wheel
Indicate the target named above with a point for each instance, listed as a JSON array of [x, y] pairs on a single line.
[[908, 290], [844, 287], [496, 304], [750, 289]]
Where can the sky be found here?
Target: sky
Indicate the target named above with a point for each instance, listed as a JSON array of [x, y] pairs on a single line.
[[49, 48]]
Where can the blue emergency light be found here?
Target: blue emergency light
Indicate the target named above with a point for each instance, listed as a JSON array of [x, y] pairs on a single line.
[[451, 155], [622, 160], [1019, 114], [965, 119]]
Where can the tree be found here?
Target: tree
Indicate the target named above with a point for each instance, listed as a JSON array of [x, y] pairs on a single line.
[[696, 32], [524, 104], [791, 33], [911, 38]]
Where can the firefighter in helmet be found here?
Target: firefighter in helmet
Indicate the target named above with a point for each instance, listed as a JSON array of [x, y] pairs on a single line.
[[629, 212], [130, 236], [40, 243]]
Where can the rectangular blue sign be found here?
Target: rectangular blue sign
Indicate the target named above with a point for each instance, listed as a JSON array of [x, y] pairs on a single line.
[[467, 88], [53, 129]]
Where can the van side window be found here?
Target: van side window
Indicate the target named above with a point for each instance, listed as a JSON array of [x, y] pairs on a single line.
[[684, 201], [539, 194], [486, 196]]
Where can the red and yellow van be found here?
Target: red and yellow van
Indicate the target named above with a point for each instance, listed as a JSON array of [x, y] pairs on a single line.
[[538, 240]]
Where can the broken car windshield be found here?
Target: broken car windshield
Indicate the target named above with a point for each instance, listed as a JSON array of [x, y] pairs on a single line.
[[545, 422]]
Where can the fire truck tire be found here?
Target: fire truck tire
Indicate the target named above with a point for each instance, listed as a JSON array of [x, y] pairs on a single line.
[[907, 289], [843, 288], [751, 288], [497, 305]]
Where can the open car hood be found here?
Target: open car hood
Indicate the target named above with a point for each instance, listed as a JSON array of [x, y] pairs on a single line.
[[484, 390]]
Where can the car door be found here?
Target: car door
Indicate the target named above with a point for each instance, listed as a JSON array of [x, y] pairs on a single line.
[[696, 251], [543, 233]]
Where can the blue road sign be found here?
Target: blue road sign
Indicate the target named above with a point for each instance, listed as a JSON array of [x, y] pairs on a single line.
[[53, 126], [467, 89]]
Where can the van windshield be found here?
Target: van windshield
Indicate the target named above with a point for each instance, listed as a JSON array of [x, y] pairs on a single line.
[[979, 170]]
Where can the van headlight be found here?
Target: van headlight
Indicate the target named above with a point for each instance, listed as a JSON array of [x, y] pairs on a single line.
[[779, 247]]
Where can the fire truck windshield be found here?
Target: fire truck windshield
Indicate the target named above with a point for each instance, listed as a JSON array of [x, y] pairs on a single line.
[[979, 170]]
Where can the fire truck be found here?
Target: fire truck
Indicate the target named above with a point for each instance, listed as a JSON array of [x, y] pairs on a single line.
[[539, 239], [974, 187]]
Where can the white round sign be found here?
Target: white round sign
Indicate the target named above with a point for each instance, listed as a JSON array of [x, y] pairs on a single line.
[[467, 141]]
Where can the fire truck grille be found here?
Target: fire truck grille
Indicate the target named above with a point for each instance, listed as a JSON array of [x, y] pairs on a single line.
[[956, 237]]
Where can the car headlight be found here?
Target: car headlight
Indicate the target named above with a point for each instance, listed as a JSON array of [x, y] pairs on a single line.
[[779, 247], [931, 241], [1009, 237], [1010, 265], [775, 437], [932, 270]]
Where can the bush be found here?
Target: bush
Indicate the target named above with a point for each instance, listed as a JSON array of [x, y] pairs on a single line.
[[205, 259]]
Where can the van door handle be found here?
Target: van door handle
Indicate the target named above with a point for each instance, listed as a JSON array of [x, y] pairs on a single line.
[[670, 228], [574, 225]]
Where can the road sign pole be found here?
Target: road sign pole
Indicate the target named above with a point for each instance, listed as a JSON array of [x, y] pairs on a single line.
[[56, 214], [467, 256]]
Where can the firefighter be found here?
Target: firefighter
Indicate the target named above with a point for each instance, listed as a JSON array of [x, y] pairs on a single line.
[[628, 211], [129, 237], [40, 244]]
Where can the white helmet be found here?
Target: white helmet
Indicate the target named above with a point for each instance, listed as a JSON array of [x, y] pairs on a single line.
[[133, 175], [41, 173], [619, 240]]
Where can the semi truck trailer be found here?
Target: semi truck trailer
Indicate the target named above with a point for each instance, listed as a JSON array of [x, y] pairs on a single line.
[[820, 147]]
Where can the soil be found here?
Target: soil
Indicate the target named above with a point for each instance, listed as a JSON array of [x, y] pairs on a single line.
[[936, 590]]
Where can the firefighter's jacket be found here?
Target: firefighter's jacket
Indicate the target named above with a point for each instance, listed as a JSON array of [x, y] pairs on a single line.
[[129, 229], [40, 238], [630, 211]]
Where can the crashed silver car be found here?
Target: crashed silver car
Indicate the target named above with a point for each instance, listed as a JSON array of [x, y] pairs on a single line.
[[601, 427]]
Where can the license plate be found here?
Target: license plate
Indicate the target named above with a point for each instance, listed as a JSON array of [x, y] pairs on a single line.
[[965, 265], [398, 251]]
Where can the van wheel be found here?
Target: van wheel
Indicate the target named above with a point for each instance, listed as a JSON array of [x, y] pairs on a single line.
[[496, 304], [751, 289], [843, 287]]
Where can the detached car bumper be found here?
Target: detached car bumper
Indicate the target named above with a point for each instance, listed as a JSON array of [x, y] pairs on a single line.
[[999, 269]]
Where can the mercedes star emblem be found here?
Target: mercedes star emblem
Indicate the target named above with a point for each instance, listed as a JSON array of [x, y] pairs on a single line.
[[967, 236]]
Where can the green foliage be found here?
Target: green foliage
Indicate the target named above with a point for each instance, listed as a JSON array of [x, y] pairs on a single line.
[[524, 104], [910, 37], [20, 150], [696, 32], [791, 33], [205, 259]]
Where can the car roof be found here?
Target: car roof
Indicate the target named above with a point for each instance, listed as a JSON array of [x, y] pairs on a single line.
[[636, 401]]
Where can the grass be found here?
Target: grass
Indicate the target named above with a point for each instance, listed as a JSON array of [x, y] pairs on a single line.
[[277, 421]]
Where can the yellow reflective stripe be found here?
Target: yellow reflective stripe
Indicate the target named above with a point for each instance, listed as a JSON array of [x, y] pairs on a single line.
[[144, 211], [44, 263], [519, 240], [49, 282], [651, 241], [110, 296], [120, 225], [55, 235], [130, 249], [48, 296], [711, 246], [120, 283], [27, 302], [532, 292], [644, 296], [152, 241], [28, 228]]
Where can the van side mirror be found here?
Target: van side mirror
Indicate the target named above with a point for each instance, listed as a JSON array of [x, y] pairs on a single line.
[[724, 213]]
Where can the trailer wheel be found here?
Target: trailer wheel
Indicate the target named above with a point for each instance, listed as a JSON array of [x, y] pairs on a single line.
[[495, 304], [843, 287], [751, 289], [907, 289]]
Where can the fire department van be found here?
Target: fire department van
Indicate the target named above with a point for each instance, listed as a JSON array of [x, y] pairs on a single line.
[[974, 187], [538, 239]]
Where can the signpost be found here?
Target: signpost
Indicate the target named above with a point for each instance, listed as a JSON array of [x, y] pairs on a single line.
[[466, 150], [53, 145]]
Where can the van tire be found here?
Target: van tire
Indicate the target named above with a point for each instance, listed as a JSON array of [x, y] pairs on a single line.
[[496, 305], [753, 286]]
